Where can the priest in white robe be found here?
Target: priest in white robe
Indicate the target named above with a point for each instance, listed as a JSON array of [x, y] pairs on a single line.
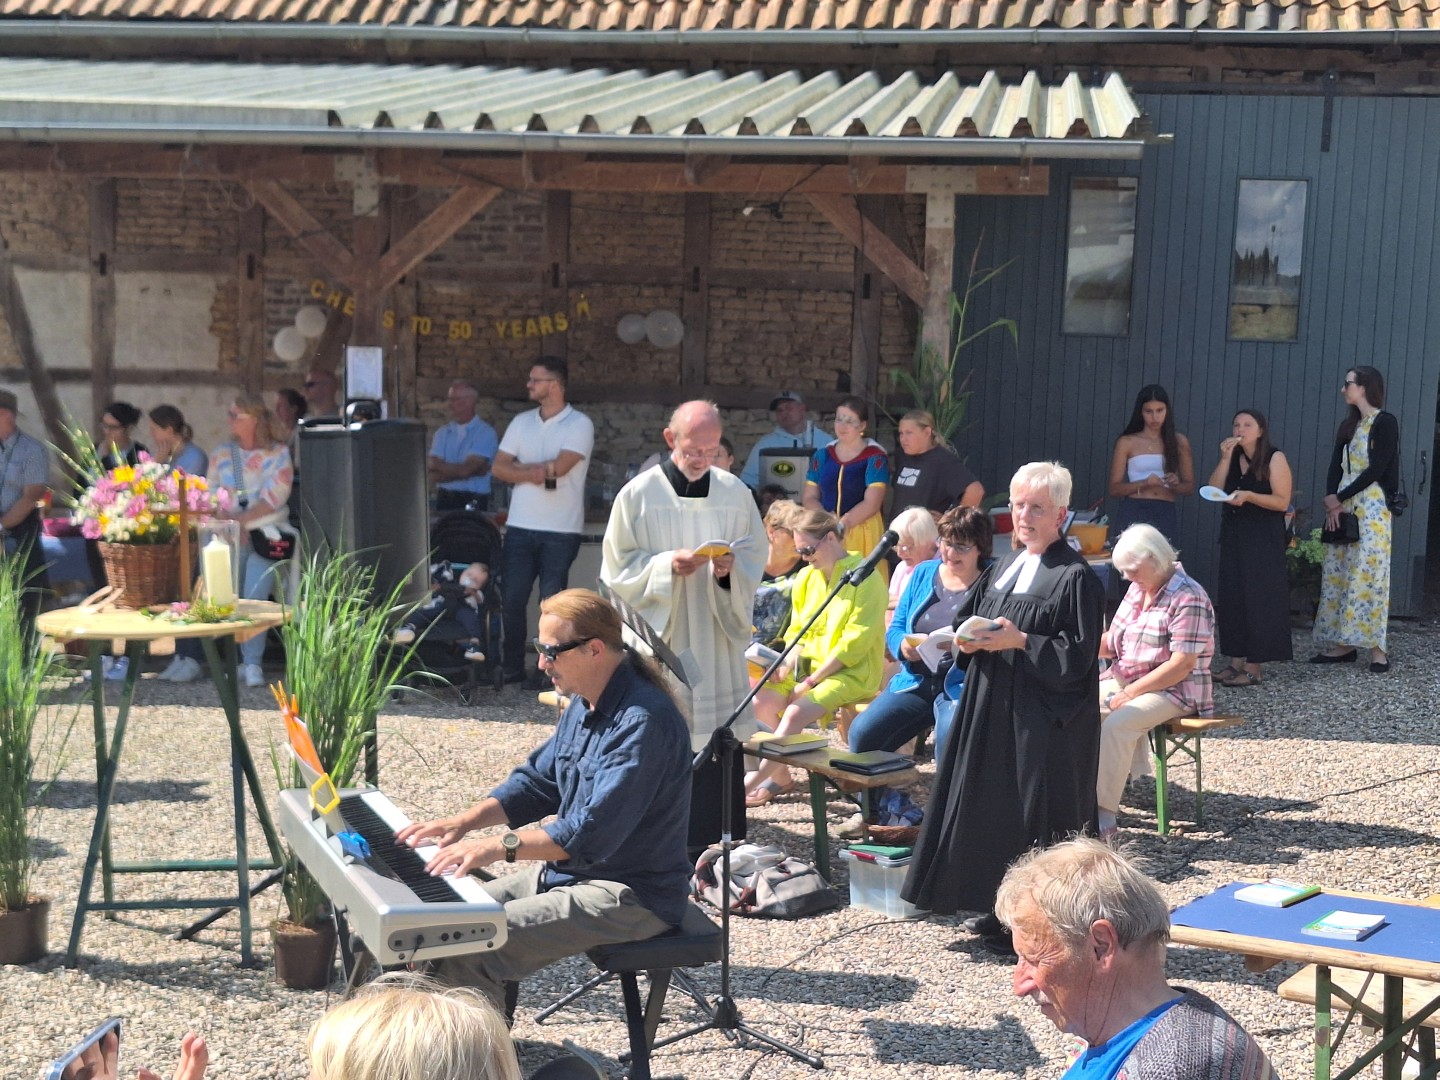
[[696, 604]]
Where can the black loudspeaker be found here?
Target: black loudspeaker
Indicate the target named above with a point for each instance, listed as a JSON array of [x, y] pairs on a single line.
[[362, 489]]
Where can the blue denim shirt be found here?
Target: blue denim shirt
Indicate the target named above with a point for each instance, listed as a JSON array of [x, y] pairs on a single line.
[[617, 779]]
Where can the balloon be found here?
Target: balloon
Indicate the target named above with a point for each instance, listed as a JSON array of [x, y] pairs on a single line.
[[631, 329], [310, 320], [664, 329], [290, 345]]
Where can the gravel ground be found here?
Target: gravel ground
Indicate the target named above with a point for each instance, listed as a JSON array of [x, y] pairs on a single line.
[[1330, 780]]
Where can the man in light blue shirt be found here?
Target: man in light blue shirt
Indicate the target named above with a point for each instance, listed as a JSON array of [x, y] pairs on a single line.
[[24, 479], [461, 453], [793, 430]]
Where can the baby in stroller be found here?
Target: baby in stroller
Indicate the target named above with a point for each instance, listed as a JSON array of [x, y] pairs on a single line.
[[462, 600]]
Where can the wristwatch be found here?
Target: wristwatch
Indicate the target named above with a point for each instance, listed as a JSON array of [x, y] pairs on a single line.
[[511, 843]]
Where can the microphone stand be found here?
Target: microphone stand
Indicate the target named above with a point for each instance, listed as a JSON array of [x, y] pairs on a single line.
[[723, 1014]]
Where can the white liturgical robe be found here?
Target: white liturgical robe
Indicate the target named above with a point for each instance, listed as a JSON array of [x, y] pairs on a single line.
[[649, 522]]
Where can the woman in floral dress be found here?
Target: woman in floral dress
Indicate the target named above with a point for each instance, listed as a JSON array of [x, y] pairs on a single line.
[[1364, 471]]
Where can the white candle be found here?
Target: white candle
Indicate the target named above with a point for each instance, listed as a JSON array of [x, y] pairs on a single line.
[[215, 569]]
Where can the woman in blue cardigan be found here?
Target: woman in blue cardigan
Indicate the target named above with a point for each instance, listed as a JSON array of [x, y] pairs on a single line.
[[931, 598]]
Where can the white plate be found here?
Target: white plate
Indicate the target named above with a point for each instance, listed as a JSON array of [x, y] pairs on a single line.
[[1214, 494]]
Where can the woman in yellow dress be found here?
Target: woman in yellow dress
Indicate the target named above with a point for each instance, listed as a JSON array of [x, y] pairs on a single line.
[[1364, 472], [840, 658]]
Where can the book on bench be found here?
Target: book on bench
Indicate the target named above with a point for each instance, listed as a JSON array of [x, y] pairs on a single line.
[[869, 762], [800, 743]]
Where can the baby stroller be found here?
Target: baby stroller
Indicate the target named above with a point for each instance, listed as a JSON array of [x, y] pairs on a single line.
[[457, 540]]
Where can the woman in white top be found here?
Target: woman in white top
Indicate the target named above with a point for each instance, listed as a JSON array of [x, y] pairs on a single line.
[[254, 467], [1151, 465]]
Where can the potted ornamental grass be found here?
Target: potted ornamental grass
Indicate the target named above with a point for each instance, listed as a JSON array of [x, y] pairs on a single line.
[[26, 666], [340, 668]]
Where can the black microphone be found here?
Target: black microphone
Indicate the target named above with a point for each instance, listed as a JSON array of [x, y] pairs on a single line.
[[884, 547]]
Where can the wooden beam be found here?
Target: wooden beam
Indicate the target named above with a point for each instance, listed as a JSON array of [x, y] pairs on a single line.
[[248, 266], [132, 376], [542, 168], [865, 317], [22, 333], [817, 280], [334, 256], [939, 272], [695, 300], [369, 231], [557, 269], [700, 169], [404, 299], [441, 224], [841, 211], [102, 294]]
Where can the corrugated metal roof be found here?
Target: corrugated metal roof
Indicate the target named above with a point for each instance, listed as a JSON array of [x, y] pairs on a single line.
[[575, 101], [711, 15]]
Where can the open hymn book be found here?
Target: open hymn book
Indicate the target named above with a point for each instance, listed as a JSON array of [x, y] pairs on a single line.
[[713, 549]]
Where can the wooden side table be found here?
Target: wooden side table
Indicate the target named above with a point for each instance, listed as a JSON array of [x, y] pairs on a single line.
[[219, 641]]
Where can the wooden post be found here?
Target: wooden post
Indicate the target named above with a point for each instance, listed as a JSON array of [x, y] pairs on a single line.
[[102, 295], [939, 271], [250, 298], [865, 317], [695, 300], [557, 273]]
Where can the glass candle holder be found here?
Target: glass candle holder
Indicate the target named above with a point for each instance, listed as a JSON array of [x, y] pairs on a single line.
[[220, 559]]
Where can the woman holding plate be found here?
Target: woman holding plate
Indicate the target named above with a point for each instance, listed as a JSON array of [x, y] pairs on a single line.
[[1364, 472], [1253, 600]]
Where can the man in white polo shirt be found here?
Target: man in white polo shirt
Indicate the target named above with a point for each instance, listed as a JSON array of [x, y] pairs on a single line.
[[545, 455]]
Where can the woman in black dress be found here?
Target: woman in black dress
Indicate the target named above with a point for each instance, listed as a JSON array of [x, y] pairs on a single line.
[[1018, 769], [1253, 602]]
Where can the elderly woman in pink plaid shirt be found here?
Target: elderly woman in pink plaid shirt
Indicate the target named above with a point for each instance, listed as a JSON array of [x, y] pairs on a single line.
[[1160, 645]]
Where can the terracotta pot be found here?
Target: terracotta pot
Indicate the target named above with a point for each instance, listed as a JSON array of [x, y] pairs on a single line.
[[304, 957], [24, 936]]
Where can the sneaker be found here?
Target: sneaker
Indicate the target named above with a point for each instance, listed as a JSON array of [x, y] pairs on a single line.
[[182, 669], [474, 655], [853, 829], [179, 668], [117, 667], [253, 674], [403, 635]]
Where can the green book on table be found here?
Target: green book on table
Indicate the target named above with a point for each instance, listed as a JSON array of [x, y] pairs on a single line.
[[1344, 925]]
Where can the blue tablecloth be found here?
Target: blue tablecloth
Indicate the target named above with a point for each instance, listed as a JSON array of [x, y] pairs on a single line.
[[1410, 933]]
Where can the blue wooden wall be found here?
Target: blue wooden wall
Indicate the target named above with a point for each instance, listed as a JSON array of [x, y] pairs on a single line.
[[1371, 269]]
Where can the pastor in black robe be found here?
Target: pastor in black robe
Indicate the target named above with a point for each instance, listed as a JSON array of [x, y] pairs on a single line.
[[1019, 767]]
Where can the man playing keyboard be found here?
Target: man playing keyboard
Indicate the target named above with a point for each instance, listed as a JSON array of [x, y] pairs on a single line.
[[611, 866]]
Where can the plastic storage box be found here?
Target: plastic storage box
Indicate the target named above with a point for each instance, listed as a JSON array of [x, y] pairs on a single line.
[[876, 887]]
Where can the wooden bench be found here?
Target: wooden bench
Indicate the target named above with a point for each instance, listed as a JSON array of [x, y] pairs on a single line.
[[1182, 736], [817, 767]]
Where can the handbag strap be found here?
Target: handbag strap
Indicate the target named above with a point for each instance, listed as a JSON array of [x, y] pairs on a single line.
[[239, 469]]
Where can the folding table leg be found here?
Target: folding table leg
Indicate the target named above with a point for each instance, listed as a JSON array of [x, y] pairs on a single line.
[[1322, 1022]]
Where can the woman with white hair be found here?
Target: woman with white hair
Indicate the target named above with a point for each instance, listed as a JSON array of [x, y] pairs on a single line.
[[918, 535], [1019, 766], [1160, 645]]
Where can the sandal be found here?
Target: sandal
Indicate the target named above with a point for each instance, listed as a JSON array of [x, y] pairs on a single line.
[[766, 791], [1230, 671], [1242, 679]]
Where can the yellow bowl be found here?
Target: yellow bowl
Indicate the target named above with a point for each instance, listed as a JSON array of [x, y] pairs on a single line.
[[1091, 537]]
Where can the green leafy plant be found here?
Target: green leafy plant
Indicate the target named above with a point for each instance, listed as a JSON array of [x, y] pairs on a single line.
[[1304, 561], [933, 382], [26, 666], [341, 668]]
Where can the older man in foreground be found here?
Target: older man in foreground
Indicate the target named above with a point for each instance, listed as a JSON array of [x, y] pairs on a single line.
[[1090, 931]]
